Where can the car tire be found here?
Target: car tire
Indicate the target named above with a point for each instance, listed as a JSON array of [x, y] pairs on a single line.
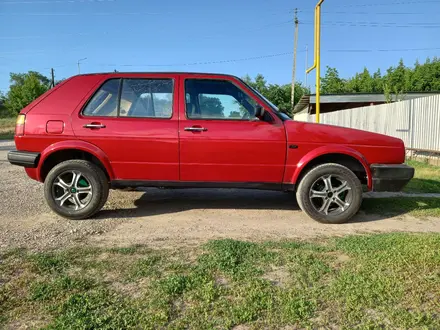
[[330, 193], [76, 189]]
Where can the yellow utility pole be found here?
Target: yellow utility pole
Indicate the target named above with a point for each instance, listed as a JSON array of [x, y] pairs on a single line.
[[317, 57], [295, 46]]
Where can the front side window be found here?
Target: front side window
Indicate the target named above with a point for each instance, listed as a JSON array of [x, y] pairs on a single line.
[[105, 101], [217, 99], [148, 98]]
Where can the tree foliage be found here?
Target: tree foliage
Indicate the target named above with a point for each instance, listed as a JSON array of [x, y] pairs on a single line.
[[397, 80], [280, 95], [24, 88], [212, 105], [3, 111]]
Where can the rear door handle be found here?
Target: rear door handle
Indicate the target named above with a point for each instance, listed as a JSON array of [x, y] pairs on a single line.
[[93, 125], [195, 129]]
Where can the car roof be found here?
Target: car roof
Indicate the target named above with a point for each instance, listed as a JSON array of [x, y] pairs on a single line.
[[159, 73]]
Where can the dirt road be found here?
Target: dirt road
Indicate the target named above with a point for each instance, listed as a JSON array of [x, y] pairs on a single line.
[[168, 217]]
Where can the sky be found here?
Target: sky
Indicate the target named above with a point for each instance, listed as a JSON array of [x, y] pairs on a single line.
[[230, 36]]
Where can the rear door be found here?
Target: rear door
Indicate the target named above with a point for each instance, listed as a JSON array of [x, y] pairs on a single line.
[[221, 140], [134, 120]]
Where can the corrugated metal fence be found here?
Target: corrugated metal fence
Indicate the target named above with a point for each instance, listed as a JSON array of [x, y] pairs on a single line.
[[416, 122]]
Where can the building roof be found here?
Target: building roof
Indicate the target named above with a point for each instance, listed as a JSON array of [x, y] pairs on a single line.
[[334, 102]]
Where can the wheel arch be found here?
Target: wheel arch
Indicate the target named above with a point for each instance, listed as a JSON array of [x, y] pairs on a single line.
[[344, 156], [67, 150]]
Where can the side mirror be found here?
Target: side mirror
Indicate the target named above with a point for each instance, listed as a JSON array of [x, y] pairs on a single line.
[[259, 111]]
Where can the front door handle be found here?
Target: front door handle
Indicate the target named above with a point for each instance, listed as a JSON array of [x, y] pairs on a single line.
[[94, 125], [195, 129]]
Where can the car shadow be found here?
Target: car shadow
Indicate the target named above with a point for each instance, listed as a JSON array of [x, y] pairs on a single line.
[[162, 201], [168, 201], [418, 185]]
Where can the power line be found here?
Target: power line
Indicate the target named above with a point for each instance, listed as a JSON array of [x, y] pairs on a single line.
[[379, 50], [49, 36], [250, 58], [388, 4], [262, 27], [267, 56], [38, 51], [389, 23], [199, 63], [365, 13], [253, 57], [84, 14], [372, 24], [53, 1], [94, 13]]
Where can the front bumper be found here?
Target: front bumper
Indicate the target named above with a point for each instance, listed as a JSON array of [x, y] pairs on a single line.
[[24, 158], [391, 177]]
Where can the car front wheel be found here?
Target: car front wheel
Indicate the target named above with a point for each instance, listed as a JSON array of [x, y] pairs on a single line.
[[76, 189], [330, 193]]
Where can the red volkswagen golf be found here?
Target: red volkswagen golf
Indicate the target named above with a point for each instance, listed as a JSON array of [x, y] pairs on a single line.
[[95, 132]]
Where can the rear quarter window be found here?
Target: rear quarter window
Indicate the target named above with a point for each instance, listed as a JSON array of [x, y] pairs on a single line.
[[104, 103]]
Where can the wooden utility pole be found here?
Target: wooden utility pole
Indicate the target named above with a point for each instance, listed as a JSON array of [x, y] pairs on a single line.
[[295, 46], [52, 80]]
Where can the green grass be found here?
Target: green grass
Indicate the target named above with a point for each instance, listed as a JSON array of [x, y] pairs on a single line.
[[362, 282], [7, 136], [7, 128], [426, 178], [7, 122], [415, 206]]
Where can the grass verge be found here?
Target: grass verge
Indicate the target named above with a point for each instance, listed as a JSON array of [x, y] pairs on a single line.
[[7, 136], [375, 281], [415, 206], [426, 178], [7, 128]]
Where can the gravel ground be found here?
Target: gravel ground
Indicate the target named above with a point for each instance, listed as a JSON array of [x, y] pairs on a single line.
[[168, 218]]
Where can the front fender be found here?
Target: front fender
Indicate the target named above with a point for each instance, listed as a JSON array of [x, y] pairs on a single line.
[[76, 145], [326, 150]]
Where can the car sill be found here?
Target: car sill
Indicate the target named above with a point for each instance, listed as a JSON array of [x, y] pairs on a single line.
[[121, 184]]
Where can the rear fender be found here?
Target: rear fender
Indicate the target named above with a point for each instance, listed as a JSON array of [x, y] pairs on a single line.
[[325, 150], [76, 145]]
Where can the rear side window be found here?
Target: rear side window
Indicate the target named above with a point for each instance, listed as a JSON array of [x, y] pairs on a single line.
[[105, 101], [142, 98], [147, 98]]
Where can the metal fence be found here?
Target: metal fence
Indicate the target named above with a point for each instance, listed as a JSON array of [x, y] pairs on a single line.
[[416, 122]]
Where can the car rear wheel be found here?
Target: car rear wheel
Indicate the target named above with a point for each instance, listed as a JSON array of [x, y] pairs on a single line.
[[330, 193], [76, 189]]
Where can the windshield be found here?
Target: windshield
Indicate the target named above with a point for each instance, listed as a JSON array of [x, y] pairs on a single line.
[[275, 109]]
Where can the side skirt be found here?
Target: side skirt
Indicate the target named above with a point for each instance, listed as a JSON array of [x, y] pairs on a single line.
[[122, 184]]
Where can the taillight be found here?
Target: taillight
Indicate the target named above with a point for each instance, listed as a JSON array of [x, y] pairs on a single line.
[[19, 125]]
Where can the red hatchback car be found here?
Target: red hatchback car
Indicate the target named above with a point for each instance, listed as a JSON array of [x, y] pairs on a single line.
[[94, 132]]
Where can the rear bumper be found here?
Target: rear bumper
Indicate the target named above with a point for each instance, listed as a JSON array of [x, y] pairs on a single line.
[[24, 158], [391, 177]]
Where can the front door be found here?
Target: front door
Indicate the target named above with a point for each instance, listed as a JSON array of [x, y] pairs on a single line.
[[134, 120], [221, 140]]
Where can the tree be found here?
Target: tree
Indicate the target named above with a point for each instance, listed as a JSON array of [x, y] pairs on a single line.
[[24, 88], [361, 83], [212, 105], [398, 78], [332, 83], [3, 111], [278, 94], [235, 114], [397, 81], [377, 82]]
